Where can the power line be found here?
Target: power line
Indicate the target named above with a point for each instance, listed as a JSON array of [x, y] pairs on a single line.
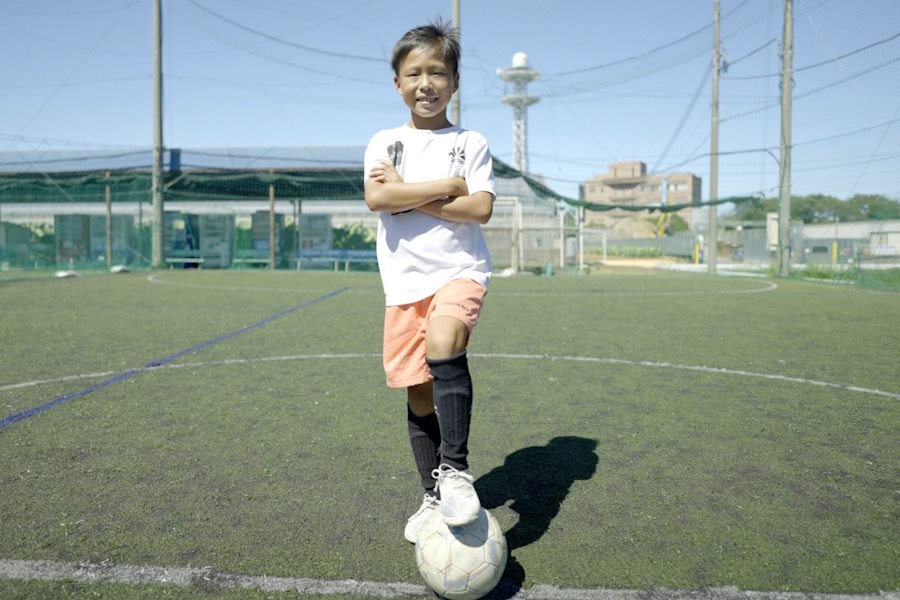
[[286, 42], [282, 61], [794, 145], [847, 133], [684, 116], [55, 13], [824, 62], [731, 63], [851, 53], [645, 53], [849, 77], [832, 84], [35, 86]]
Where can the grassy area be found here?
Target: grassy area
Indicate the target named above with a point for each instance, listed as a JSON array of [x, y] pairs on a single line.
[[639, 430], [879, 279]]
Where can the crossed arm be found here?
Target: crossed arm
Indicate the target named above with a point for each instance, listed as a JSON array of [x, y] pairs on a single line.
[[446, 198]]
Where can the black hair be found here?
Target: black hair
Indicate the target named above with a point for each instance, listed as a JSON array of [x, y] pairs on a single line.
[[437, 34]]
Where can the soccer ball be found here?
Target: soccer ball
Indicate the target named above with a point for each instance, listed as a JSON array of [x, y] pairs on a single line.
[[461, 563]]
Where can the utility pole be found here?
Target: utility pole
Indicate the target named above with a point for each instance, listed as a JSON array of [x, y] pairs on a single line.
[[713, 233], [784, 202], [455, 111], [156, 179]]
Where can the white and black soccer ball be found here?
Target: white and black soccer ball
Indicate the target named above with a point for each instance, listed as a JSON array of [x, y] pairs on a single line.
[[461, 563]]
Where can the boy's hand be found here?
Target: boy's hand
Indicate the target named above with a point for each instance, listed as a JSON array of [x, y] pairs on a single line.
[[461, 188], [385, 172], [386, 191]]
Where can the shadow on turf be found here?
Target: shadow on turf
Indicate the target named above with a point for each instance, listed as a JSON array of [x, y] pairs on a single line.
[[537, 480]]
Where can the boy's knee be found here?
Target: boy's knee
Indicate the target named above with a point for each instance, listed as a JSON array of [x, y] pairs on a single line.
[[446, 337], [421, 399]]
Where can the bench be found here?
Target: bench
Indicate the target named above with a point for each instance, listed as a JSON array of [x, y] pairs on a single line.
[[185, 260], [336, 256], [252, 257]]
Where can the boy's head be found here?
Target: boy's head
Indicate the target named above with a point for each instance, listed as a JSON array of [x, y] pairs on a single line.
[[437, 36], [426, 63]]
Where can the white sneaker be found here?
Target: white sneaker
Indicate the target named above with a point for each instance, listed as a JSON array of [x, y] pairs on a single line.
[[415, 522], [459, 501]]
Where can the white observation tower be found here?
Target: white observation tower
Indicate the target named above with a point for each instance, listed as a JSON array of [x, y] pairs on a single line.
[[519, 75]]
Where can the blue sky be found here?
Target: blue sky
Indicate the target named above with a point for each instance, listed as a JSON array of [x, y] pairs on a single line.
[[619, 81]]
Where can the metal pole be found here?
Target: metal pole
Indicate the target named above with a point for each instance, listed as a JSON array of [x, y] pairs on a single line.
[[713, 233], [455, 110], [581, 239], [271, 225], [562, 239], [784, 203], [156, 183], [514, 260], [108, 223]]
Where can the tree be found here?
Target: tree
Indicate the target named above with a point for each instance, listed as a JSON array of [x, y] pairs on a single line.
[[820, 208], [755, 210], [874, 207], [816, 208]]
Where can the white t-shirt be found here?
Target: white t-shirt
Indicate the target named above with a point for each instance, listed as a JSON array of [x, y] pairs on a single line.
[[419, 253]]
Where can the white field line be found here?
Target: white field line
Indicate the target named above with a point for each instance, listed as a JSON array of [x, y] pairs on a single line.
[[154, 278], [767, 287], [206, 579], [539, 357], [699, 368], [24, 384]]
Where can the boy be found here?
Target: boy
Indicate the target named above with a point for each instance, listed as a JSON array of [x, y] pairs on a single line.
[[433, 185]]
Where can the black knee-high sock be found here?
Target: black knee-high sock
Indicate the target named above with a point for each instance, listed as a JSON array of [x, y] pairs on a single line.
[[425, 439], [453, 401]]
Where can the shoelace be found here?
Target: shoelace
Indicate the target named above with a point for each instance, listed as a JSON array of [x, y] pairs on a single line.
[[428, 502], [445, 471]]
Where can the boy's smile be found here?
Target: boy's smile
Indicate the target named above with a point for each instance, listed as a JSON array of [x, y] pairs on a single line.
[[426, 84]]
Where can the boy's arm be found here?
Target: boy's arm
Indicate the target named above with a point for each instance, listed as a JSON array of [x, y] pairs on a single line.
[[476, 208], [386, 191]]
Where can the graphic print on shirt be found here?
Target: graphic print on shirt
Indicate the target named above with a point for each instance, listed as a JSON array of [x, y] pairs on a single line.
[[395, 153], [458, 155]]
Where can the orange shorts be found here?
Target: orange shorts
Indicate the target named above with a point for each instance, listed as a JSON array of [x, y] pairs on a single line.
[[405, 326]]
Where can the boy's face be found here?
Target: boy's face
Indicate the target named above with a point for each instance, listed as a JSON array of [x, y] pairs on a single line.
[[426, 84]]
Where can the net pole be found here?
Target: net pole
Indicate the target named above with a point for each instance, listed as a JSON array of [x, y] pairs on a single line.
[[271, 226], [562, 239], [108, 223], [520, 248], [581, 239]]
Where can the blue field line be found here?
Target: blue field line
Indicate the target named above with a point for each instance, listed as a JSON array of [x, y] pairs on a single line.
[[158, 362]]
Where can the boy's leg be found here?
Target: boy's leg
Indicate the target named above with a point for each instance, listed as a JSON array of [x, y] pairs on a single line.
[[424, 433], [404, 365], [453, 402], [456, 308], [425, 440], [445, 343]]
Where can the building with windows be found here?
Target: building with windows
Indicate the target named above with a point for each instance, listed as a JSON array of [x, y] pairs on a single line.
[[627, 183]]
